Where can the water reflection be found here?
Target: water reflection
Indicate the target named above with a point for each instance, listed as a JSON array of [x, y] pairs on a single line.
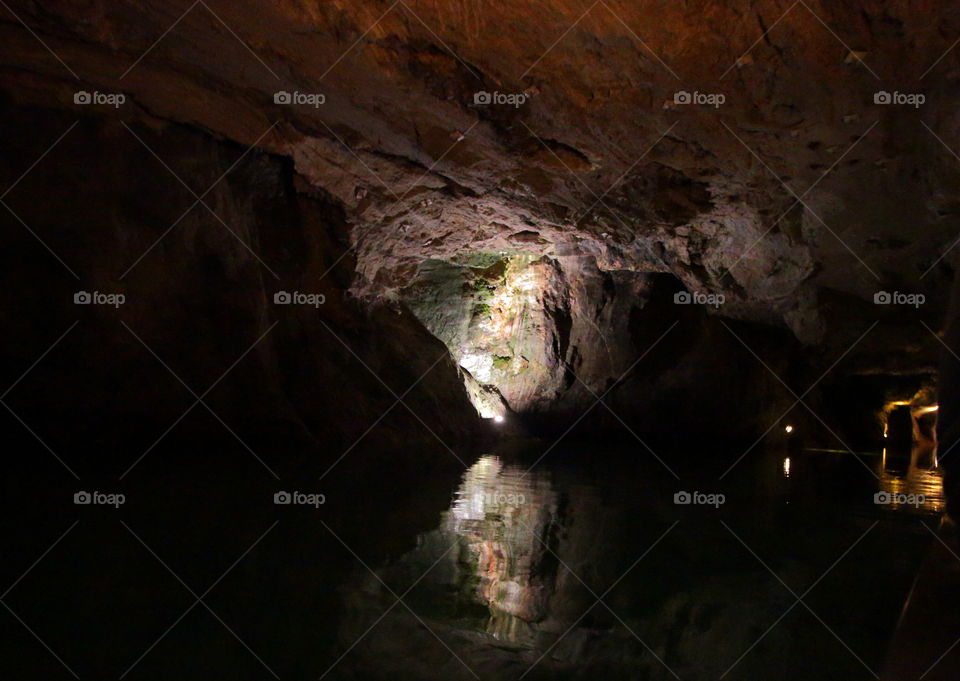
[[502, 515], [911, 482], [517, 530], [508, 576]]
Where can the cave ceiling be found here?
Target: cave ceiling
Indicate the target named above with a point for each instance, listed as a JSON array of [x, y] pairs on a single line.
[[747, 148]]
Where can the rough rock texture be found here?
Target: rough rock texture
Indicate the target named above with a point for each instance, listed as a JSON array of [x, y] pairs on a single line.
[[797, 189], [552, 336]]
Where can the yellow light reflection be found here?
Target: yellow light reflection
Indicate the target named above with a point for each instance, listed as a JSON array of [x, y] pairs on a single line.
[[919, 488]]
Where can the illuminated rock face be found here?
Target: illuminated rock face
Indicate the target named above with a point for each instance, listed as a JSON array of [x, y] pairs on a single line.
[[545, 337], [585, 145], [584, 157], [534, 329]]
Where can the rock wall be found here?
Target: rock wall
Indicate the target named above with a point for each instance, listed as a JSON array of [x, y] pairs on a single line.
[[550, 337], [112, 210], [567, 137], [559, 131]]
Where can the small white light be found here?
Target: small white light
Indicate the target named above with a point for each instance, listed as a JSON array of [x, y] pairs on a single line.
[[498, 418], [789, 429]]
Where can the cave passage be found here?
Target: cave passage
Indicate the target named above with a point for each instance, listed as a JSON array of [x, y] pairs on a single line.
[[493, 341]]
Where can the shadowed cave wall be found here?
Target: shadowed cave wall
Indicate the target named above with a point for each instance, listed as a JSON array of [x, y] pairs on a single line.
[[199, 299]]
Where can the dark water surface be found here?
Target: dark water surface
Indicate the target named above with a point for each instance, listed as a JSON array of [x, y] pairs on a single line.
[[581, 566]]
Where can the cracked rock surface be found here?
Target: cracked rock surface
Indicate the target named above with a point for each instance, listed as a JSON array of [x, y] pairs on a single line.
[[744, 149]]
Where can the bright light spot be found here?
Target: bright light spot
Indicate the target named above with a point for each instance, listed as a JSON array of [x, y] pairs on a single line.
[[479, 364], [788, 429], [498, 418], [786, 467]]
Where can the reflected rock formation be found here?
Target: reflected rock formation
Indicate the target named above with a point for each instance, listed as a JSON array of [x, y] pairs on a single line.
[[502, 519], [506, 585]]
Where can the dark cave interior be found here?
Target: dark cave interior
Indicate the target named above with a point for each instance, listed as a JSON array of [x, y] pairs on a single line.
[[383, 340]]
